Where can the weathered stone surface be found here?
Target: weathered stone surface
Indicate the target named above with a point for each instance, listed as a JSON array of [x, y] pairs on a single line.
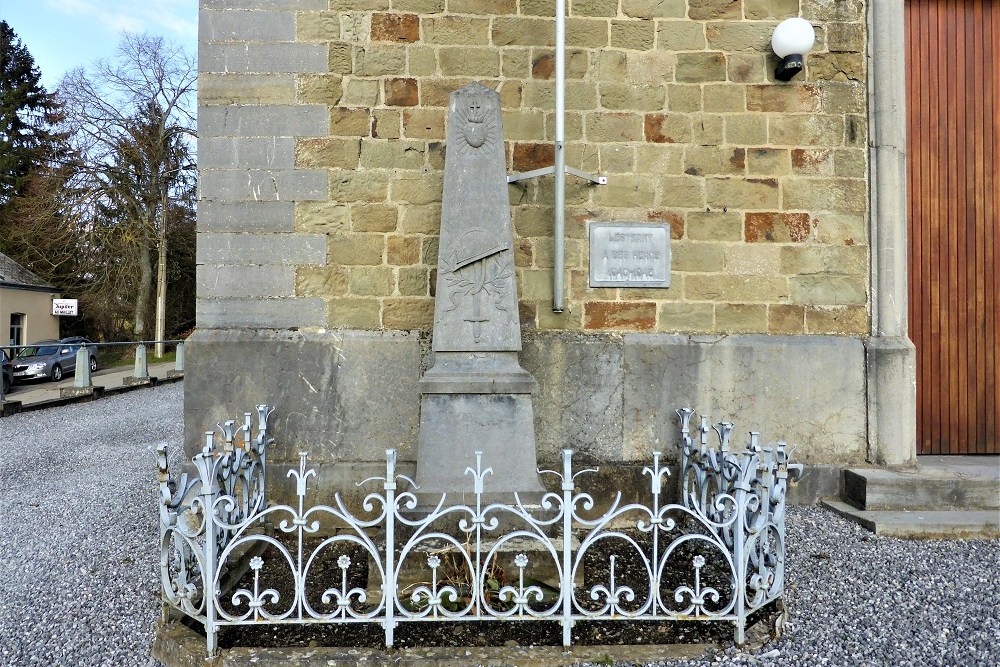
[[252, 185], [476, 295], [734, 36], [634, 35], [667, 128], [892, 400], [380, 60], [458, 30], [281, 313], [697, 317], [215, 89], [829, 289], [246, 216], [697, 67], [469, 62], [245, 281], [501, 426], [755, 382], [837, 320], [776, 227], [278, 249], [263, 58], [628, 316], [770, 9], [701, 10], [786, 319], [259, 26], [736, 288], [654, 9], [341, 395], [334, 153], [476, 392], [741, 318], [580, 403], [395, 27], [319, 89], [323, 281], [263, 121]]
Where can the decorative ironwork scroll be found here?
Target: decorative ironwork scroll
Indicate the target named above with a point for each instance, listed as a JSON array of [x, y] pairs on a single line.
[[719, 555]]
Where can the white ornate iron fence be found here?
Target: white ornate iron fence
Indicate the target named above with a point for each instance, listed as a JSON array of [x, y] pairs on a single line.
[[718, 556]]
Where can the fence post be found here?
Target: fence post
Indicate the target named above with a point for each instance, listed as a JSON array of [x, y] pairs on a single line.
[[81, 380], [141, 371], [207, 464]]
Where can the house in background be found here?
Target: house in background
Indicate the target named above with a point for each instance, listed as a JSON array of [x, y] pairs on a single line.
[[25, 305]]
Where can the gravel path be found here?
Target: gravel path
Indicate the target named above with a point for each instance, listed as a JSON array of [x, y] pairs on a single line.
[[78, 559], [858, 599], [78, 555]]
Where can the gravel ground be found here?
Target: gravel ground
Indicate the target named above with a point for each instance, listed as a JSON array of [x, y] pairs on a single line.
[[79, 586], [78, 556]]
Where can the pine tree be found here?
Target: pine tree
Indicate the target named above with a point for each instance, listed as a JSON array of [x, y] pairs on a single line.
[[27, 112]]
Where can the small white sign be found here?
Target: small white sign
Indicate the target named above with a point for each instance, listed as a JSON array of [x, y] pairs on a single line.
[[629, 254], [64, 307]]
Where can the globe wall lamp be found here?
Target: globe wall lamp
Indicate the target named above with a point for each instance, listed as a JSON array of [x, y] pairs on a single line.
[[791, 41]]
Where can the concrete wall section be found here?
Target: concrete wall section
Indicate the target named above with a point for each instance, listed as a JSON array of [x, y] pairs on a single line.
[[806, 390], [579, 401], [341, 396], [346, 396]]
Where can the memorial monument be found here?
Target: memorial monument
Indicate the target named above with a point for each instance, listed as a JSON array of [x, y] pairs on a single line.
[[476, 397]]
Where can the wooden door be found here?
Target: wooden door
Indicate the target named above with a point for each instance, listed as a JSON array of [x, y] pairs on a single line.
[[953, 98]]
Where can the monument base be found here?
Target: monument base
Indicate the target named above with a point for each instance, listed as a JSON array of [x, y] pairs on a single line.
[[453, 427]]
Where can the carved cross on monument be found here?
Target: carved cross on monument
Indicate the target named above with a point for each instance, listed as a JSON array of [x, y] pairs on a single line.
[[477, 316], [476, 396]]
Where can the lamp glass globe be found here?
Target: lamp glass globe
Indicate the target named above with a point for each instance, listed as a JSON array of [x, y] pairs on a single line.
[[793, 36]]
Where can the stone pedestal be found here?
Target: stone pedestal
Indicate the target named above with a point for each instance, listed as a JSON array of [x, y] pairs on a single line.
[[473, 403]]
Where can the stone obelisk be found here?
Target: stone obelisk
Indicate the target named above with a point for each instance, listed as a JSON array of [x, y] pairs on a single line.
[[476, 396]]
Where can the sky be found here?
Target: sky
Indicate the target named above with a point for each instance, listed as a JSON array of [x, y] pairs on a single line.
[[64, 34]]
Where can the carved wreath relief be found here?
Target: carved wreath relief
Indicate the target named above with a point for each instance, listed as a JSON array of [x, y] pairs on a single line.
[[475, 264]]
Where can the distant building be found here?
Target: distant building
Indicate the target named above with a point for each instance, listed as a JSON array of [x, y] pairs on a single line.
[[25, 305]]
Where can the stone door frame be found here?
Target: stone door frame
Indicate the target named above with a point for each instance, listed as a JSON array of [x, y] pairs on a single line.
[[891, 356]]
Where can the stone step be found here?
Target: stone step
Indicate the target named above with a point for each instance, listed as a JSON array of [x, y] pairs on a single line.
[[934, 484], [923, 524]]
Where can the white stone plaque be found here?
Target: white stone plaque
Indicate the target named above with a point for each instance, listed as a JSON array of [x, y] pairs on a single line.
[[629, 254]]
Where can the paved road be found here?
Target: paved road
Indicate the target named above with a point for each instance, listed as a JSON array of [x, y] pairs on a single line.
[[43, 390]]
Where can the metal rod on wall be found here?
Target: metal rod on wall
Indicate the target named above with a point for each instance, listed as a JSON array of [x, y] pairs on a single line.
[[559, 168], [559, 226]]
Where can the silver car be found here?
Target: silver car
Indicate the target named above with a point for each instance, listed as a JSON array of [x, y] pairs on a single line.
[[50, 359]]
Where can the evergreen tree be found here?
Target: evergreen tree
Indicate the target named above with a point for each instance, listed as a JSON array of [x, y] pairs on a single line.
[[27, 111]]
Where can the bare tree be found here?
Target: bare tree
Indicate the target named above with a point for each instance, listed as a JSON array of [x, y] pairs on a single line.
[[132, 120]]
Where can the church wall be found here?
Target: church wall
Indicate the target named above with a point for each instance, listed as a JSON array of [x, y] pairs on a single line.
[[321, 153]]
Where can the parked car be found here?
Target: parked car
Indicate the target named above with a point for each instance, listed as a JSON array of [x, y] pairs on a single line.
[[6, 370], [51, 359]]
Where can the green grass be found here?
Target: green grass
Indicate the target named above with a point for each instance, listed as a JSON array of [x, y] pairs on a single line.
[[129, 359]]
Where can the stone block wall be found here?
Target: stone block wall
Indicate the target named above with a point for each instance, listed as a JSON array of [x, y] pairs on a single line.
[[321, 149], [321, 146]]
